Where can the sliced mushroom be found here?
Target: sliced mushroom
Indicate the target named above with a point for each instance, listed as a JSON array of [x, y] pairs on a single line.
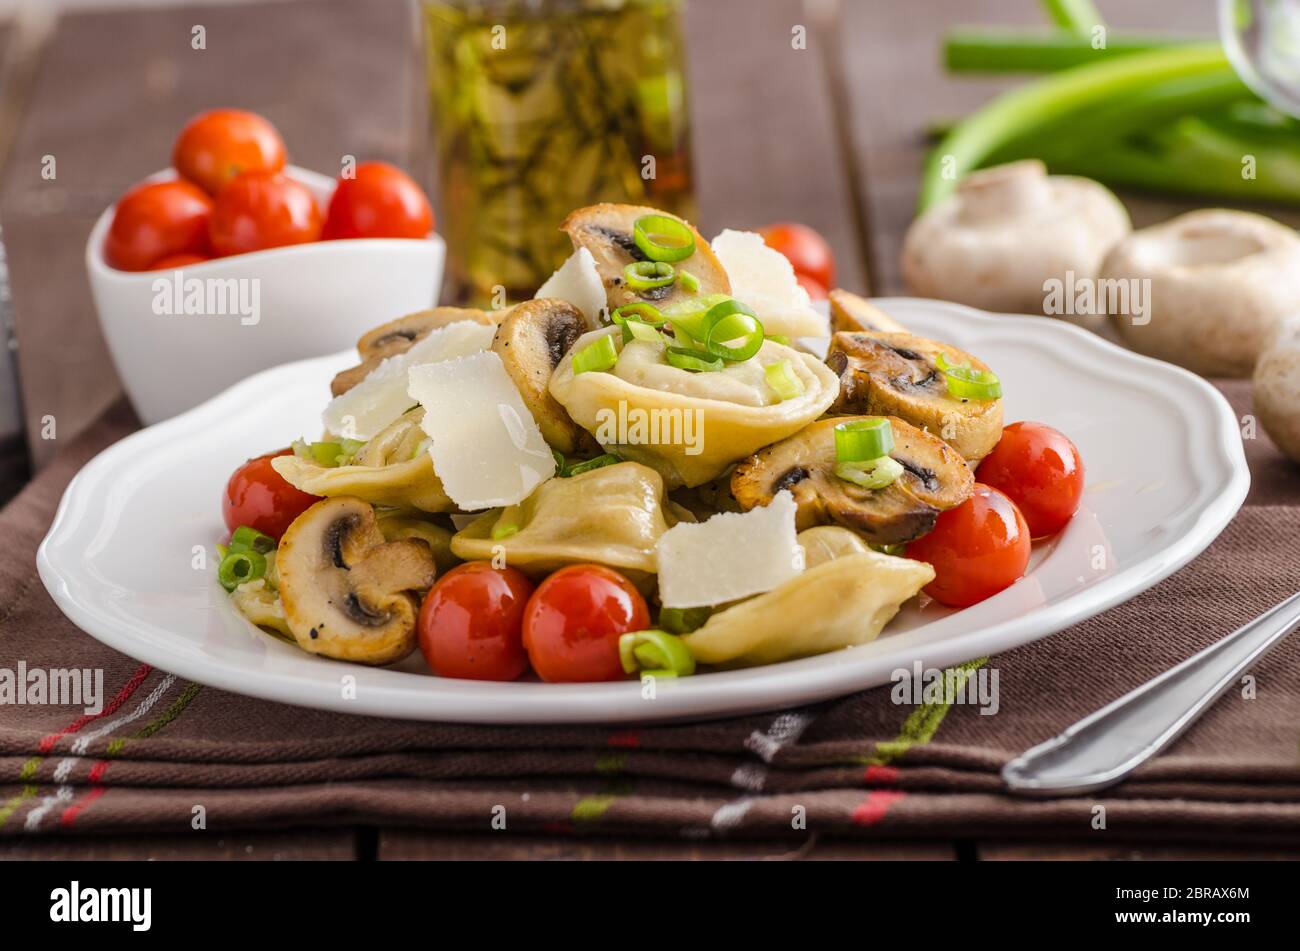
[[849, 312], [935, 478], [839, 603], [531, 342], [606, 231], [397, 336], [348, 593], [896, 374]]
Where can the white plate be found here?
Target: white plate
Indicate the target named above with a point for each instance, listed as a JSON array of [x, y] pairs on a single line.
[[1166, 473]]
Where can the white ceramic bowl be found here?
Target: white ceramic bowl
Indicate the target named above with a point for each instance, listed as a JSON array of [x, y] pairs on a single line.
[[279, 305]]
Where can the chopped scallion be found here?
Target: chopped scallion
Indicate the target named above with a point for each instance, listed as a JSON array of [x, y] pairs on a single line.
[[783, 381], [599, 355], [655, 653], [647, 275], [662, 238], [859, 440], [870, 473]]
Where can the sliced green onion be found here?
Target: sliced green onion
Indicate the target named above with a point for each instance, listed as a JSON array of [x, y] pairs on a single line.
[[503, 529], [222, 551], [782, 339], [578, 468], [323, 453], [683, 620], [781, 378], [733, 331], [697, 361], [662, 238], [690, 283], [247, 538], [348, 448], [647, 275], [239, 567], [635, 330], [638, 310], [870, 473], [599, 355], [656, 653], [862, 439], [559, 461], [967, 383]]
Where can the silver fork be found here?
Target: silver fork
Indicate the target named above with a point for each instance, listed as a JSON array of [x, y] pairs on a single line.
[[1104, 747]]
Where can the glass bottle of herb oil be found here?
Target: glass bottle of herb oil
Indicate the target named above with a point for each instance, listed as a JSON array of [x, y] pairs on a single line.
[[539, 107]]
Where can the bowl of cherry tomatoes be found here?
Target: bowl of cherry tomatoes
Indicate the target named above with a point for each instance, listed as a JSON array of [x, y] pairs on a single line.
[[234, 261]]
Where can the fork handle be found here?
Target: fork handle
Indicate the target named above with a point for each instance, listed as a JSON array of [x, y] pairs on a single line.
[[1104, 747]]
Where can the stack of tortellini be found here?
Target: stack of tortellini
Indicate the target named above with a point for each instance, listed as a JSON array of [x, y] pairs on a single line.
[[732, 445]]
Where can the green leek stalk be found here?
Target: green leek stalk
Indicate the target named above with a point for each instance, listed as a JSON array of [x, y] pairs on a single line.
[[1003, 51]]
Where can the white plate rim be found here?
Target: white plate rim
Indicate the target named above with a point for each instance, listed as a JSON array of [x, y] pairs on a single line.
[[727, 693]]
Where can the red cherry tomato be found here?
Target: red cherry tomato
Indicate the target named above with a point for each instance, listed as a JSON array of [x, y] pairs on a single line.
[[816, 290], [216, 146], [977, 549], [178, 260], [155, 220], [1040, 470], [471, 623], [573, 622], [260, 210], [380, 202], [806, 250], [258, 496]]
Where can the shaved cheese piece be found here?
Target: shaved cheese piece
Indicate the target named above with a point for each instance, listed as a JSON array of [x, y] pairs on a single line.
[[486, 449], [578, 282], [731, 556], [763, 278], [381, 397]]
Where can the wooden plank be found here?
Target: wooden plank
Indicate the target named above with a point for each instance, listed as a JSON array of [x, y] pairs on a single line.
[[897, 88], [407, 844], [290, 845], [110, 95]]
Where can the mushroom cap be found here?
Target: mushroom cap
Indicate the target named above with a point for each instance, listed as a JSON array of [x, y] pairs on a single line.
[[348, 593], [1277, 388], [935, 478], [531, 342], [397, 336], [896, 374], [1005, 231], [1220, 282]]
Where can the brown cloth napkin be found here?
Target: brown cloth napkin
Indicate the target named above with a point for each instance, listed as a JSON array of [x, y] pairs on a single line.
[[169, 755]]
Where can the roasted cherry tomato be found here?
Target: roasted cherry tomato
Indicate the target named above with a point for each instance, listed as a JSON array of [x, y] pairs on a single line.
[[471, 623], [805, 249], [1040, 470], [178, 260], [260, 210], [573, 621], [258, 496], [977, 549], [155, 220], [216, 146], [815, 289], [381, 201]]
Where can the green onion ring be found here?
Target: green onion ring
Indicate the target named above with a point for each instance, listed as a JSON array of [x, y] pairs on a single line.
[[734, 332], [647, 275], [247, 538], [649, 231], [967, 383], [781, 378], [870, 473], [690, 283], [639, 310], [861, 439], [599, 355], [655, 653], [587, 465], [635, 330], [239, 567], [697, 361]]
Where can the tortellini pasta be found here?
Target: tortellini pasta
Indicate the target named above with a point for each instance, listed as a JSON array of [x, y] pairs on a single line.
[[689, 426], [392, 469], [611, 516], [843, 602]]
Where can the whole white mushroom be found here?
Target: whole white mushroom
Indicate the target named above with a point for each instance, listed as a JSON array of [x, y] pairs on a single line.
[[1220, 281], [1277, 388], [1006, 232]]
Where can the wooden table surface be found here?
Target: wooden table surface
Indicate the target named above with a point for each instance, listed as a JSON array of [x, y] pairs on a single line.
[[831, 135]]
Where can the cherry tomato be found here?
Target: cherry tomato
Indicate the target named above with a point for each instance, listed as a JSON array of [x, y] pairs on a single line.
[[178, 260], [216, 146], [1040, 470], [816, 290], [977, 549], [573, 621], [806, 250], [258, 496], [155, 220], [380, 202], [471, 623], [260, 210]]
